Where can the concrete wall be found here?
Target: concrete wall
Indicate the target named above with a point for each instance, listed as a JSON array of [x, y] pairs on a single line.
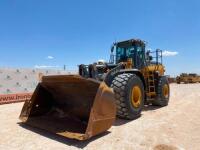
[[13, 80]]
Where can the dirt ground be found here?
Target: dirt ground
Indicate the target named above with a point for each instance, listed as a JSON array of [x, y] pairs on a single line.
[[176, 126]]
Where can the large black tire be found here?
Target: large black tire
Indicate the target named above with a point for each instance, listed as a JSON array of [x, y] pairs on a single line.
[[162, 98], [122, 86], [178, 80]]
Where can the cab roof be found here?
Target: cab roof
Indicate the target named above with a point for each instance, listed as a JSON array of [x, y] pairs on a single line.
[[130, 42]]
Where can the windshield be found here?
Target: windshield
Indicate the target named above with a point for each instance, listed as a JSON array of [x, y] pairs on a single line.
[[123, 53]]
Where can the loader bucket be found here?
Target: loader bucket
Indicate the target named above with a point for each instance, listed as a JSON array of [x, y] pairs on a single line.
[[70, 106]]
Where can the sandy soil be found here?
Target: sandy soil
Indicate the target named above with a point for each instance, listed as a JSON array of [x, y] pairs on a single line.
[[176, 126]]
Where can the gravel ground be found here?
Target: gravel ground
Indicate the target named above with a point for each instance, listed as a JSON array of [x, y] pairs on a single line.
[[176, 126]]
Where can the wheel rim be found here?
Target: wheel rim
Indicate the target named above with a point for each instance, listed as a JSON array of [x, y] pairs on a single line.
[[166, 91], [136, 96]]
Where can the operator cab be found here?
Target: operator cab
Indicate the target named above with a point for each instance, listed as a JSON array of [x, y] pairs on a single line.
[[133, 50]]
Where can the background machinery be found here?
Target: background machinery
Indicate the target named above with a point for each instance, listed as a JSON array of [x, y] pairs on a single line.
[[188, 78], [84, 105]]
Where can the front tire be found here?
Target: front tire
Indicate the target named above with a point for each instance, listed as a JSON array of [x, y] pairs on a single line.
[[129, 95]]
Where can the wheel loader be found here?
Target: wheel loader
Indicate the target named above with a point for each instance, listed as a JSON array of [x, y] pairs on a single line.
[[84, 105], [188, 78]]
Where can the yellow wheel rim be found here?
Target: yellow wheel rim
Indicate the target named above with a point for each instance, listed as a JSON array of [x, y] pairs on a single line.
[[166, 91], [136, 96]]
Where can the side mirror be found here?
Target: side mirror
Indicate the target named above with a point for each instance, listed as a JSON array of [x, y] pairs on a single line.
[[112, 49], [150, 58]]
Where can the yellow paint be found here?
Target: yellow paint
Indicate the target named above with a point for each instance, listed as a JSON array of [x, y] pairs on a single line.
[[129, 63], [148, 72], [159, 68], [136, 96], [166, 91]]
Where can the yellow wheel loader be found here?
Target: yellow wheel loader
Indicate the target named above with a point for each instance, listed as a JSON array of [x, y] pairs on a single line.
[[188, 78], [84, 105], [194, 78]]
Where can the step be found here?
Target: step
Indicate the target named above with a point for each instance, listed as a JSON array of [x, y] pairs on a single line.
[[152, 86], [151, 93]]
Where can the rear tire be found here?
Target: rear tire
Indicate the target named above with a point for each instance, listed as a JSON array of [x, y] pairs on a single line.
[[129, 105], [163, 92]]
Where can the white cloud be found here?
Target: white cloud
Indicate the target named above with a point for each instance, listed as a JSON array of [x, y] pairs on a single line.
[[169, 53], [45, 66], [50, 57]]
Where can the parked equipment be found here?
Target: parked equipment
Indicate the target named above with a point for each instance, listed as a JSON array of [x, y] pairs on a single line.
[[83, 106], [188, 78], [136, 76]]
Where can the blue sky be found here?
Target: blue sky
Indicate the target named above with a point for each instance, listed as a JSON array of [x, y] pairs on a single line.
[[77, 31]]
